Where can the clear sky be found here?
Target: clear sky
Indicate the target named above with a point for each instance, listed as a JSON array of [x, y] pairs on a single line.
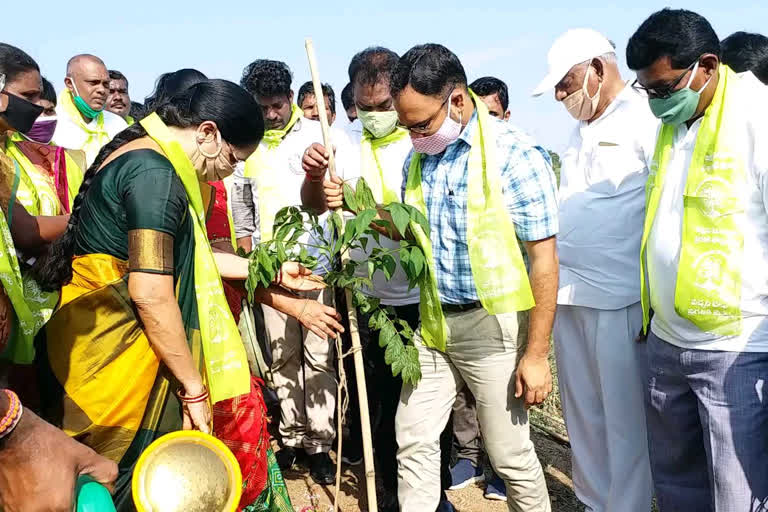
[[508, 39]]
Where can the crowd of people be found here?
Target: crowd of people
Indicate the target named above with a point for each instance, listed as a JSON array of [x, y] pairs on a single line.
[[123, 311]]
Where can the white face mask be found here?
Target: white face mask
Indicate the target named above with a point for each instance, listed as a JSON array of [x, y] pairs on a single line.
[[579, 104]]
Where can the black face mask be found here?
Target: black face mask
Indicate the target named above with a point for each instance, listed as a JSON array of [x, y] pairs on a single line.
[[20, 113]]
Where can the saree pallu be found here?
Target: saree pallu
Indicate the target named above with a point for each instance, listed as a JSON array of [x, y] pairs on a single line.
[[103, 383]]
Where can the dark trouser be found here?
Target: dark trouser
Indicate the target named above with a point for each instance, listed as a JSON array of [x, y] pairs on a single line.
[[707, 415], [466, 430], [383, 399]]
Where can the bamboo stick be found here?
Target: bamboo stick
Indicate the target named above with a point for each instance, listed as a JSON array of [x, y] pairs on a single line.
[[370, 475]]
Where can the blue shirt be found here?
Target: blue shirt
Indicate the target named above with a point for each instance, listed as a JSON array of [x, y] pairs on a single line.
[[529, 191]]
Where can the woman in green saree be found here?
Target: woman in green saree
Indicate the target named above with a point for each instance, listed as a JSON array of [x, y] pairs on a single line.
[[143, 341]]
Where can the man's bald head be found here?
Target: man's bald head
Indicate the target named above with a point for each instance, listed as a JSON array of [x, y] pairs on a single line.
[[88, 78], [78, 62]]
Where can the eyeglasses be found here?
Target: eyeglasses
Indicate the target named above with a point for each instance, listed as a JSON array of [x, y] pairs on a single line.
[[422, 128], [664, 91]]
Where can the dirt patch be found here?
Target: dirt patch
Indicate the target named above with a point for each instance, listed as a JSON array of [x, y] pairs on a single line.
[[548, 435], [555, 459]]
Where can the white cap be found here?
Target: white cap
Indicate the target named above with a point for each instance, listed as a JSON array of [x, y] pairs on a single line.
[[575, 46]]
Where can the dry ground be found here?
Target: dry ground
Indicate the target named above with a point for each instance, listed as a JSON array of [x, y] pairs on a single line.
[[555, 458]]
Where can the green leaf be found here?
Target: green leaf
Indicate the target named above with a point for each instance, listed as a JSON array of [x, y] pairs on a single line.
[[371, 268], [388, 265], [364, 243], [411, 372], [405, 329], [400, 217], [337, 222], [350, 200], [419, 218], [377, 321], [400, 353], [281, 254], [387, 332], [363, 195], [364, 218], [395, 351], [416, 262], [405, 258]]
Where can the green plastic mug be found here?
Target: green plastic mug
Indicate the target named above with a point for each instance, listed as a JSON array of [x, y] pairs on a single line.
[[91, 496]]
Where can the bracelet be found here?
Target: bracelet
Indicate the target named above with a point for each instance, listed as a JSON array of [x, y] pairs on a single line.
[[202, 397], [306, 303], [12, 417]]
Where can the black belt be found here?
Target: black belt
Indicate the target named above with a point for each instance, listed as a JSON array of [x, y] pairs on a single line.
[[460, 308]]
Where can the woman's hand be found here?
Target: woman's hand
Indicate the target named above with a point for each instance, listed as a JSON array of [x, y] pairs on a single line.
[[197, 416], [295, 276], [320, 319]]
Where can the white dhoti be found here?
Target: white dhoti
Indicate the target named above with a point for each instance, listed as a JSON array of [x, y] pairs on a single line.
[[600, 371]]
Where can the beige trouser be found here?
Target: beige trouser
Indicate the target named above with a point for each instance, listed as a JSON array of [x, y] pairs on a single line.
[[305, 379], [482, 352]]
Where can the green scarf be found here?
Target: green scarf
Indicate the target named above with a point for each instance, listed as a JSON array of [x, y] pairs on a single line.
[[226, 364], [501, 279], [709, 274]]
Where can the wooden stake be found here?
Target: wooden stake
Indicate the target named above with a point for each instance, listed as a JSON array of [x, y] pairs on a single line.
[[357, 354]]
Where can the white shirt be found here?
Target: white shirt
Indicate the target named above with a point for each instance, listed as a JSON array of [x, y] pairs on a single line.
[[285, 161], [602, 205], [394, 292], [751, 104], [70, 135]]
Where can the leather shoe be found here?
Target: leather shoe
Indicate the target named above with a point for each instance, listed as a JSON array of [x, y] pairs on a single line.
[[321, 469], [286, 458]]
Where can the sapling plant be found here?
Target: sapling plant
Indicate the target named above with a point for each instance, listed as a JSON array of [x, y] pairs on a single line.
[[291, 243]]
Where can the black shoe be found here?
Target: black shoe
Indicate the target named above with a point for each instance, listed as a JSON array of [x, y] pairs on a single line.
[[322, 470], [286, 458], [387, 501], [352, 453]]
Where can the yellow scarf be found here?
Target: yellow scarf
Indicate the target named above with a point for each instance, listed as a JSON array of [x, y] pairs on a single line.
[[501, 279], [371, 166], [258, 167], [31, 306], [226, 364], [709, 274], [97, 137]]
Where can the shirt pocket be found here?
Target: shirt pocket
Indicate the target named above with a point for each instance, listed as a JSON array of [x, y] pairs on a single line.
[[614, 168]]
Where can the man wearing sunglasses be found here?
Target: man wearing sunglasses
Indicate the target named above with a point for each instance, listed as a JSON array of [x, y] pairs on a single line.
[[602, 202], [479, 182], [703, 252]]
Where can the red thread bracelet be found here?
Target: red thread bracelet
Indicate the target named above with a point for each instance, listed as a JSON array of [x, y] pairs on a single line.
[[193, 399]]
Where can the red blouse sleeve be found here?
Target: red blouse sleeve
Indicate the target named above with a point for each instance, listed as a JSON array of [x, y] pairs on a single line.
[[218, 221]]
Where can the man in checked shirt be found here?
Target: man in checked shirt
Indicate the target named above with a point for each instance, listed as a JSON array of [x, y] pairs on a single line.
[[479, 182]]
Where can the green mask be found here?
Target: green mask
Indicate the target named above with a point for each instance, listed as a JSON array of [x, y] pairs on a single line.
[[680, 106], [380, 124], [83, 107]]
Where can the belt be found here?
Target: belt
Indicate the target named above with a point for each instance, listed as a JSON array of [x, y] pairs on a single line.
[[460, 308]]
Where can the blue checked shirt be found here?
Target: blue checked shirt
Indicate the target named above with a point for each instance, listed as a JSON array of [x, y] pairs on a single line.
[[529, 191]]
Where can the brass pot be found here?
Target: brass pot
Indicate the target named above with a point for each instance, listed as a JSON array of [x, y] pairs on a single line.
[[187, 471]]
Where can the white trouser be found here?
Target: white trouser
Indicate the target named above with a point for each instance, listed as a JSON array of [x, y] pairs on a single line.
[[600, 371], [482, 352]]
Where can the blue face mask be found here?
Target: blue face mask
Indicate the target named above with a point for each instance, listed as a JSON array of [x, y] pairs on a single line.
[[681, 105]]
